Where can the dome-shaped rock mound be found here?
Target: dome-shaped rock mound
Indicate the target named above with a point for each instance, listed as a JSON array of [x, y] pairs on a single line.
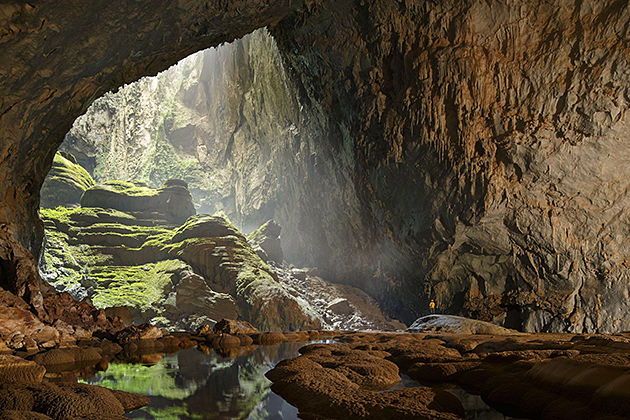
[[66, 182], [457, 325]]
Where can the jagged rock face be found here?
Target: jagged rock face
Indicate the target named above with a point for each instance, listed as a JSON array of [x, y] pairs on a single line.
[[487, 146], [469, 152]]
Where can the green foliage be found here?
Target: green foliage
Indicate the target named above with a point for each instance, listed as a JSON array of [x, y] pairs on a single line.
[[132, 189]]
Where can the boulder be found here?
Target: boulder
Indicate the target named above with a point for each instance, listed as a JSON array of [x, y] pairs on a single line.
[[194, 296], [15, 369], [457, 325], [66, 182], [226, 341], [20, 328], [230, 326], [267, 238], [139, 333], [123, 312], [269, 338], [69, 356], [67, 401]]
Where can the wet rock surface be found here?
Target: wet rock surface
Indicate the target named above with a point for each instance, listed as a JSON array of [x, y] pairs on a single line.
[[523, 375], [456, 325]]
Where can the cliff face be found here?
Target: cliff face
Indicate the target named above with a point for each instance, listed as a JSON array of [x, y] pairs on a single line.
[[470, 152], [488, 149]]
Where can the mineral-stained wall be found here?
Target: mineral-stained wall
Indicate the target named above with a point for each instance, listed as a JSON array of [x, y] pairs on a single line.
[[472, 152]]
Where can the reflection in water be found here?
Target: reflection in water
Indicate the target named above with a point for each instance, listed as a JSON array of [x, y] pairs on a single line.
[[201, 384], [194, 385], [476, 408]]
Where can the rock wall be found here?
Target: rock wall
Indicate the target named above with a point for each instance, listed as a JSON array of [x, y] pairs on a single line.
[[471, 152], [487, 143], [56, 59]]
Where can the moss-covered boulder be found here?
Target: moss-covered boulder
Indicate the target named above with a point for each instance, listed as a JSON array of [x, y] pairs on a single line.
[[172, 202], [66, 182], [221, 254], [266, 241]]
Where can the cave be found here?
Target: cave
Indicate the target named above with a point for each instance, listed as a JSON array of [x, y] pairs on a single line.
[[456, 166]]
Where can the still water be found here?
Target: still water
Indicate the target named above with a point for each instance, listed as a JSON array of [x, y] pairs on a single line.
[[194, 384]]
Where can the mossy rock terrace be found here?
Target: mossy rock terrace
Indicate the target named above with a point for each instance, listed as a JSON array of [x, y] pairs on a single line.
[[66, 182], [179, 277], [172, 202]]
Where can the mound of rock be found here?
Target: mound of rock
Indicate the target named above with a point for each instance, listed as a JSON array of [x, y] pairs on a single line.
[[173, 201], [341, 381], [559, 376], [234, 327], [457, 325], [144, 251], [66, 182], [179, 277], [67, 401], [266, 242], [14, 369]]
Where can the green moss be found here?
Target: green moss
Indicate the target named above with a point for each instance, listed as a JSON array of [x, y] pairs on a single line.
[[84, 215], [139, 286], [260, 234], [71, 172], [132, 189]]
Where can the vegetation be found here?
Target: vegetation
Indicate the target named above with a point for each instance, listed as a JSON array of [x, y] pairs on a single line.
[[65, 167], [118, 258], [65, 183], [142, 287], [132, 189]]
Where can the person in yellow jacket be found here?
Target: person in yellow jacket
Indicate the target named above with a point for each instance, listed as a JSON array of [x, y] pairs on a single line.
[[432, 306]]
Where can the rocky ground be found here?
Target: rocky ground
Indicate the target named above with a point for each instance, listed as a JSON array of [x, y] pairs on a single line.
[[548, 376], [358, 375], [43, 384]]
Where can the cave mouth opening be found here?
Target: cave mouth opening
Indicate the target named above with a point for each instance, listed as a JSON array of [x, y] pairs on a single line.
[[194, 139], [164, 199]]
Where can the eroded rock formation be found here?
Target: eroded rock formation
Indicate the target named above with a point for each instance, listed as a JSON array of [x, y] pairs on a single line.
[[562, 376], [469, 152], [123, 249]]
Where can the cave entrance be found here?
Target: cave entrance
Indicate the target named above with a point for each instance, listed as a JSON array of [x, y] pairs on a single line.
[[212, 120], [160, 203], [196, 138]]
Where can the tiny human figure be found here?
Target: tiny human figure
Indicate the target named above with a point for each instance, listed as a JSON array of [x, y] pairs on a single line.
[[432, 306]]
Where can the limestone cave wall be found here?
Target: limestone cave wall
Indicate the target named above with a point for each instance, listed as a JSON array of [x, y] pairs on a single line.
[[487, 144]]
